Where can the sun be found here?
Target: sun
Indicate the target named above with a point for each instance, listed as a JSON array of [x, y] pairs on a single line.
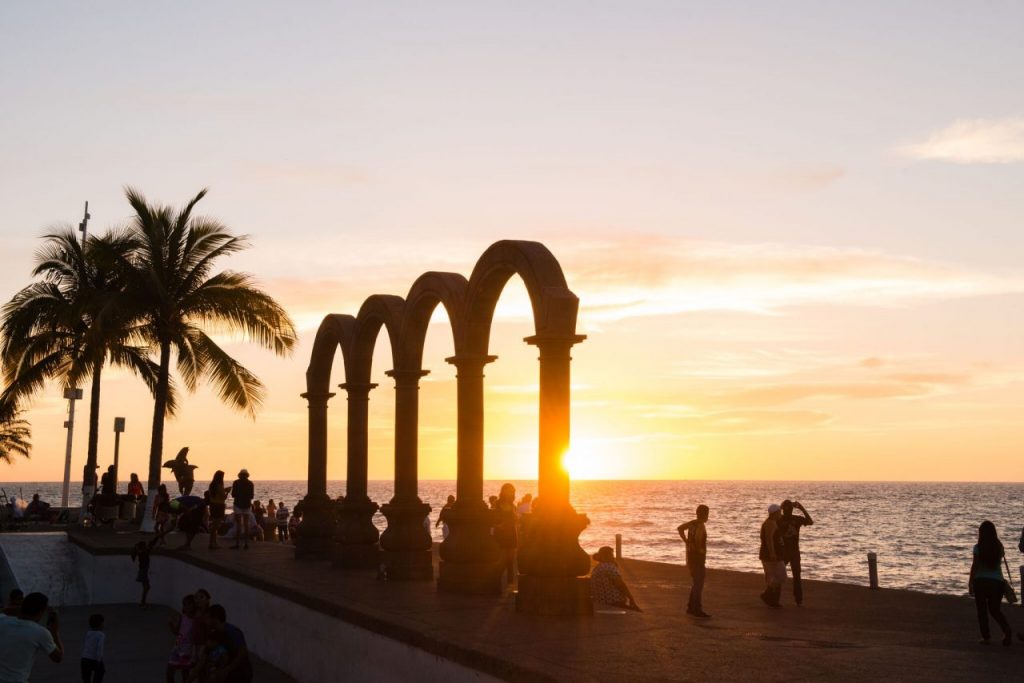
[[590, 460]]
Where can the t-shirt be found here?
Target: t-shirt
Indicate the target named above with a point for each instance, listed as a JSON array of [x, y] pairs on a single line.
[[775, 541], [92, 648], [20, 640], [697, 544], [242, 492], [282, 515], [602, 584], [983, 571], [790, 527], [233, 640]]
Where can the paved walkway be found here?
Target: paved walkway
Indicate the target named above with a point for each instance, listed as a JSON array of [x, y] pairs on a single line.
[[844, 632], [137, 645]]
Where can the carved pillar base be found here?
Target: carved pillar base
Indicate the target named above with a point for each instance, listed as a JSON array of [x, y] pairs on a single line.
[[554, 596], [406, 546], [469, 556], [552, 565], [314, 536], [355, 544]]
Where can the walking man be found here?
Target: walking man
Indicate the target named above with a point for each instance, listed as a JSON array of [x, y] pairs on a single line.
[[21, 637], [771, 556], [695, 536], [790, 525]]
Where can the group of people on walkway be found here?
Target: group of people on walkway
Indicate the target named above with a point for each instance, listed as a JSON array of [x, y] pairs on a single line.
[[249, 520]]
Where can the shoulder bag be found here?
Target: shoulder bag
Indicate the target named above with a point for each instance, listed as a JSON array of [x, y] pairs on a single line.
[[1008, 592]]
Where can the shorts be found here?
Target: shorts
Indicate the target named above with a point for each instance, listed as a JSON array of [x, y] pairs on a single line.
[[774, 571]]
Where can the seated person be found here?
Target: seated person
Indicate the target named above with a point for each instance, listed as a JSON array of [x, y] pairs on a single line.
[[606, 584], [37, 509]]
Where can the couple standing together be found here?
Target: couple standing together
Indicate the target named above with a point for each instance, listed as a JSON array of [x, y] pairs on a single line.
[[780, 543]]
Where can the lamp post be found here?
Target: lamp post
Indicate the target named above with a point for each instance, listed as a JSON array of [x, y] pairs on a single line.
[[118, 428], [72, 395]]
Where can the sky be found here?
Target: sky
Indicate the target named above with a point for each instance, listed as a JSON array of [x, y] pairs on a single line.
[[794, 228]]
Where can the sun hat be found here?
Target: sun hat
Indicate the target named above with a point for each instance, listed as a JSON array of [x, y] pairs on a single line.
[[604, 554], [773, 508]]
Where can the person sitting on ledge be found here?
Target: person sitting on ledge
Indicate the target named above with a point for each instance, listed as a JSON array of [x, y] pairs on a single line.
[[37, 509], [606, 582]]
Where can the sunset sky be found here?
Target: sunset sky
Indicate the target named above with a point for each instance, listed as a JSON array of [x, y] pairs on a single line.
[[796, 230]]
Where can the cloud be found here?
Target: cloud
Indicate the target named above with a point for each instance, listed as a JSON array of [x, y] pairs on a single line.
[[693, 422], [619, 278], [973, 141]]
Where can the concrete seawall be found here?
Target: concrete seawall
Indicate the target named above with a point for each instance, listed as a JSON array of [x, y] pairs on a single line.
[[317, 624]]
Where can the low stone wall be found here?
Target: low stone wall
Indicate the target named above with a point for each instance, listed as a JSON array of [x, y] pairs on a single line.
[[304, 643]]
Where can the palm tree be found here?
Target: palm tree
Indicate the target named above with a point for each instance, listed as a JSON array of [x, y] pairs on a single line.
[[69, 324], [170, 279], [14, 433]]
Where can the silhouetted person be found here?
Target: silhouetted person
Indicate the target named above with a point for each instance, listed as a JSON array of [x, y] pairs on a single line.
[[243, 493], [986, 582], [108, 487], [606, 584], [14, 600], [506, 532], [218, 496], [695, 535], [140, 553], [161, 511], [790, 525], [135, 489], [92, 651], [282, 522], [771, 555], [228, 658], [189, 512], [185, 650], [442, 517], [23, 636]]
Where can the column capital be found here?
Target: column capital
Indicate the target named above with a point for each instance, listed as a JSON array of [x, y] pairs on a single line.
[[407, 377], [468, 360], [316, 397], [357, 388], [554, 340]]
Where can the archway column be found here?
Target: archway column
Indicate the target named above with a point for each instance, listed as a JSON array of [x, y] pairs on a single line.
[[313, 538], [406, 543], [469, 556], [552, 565], [355, 543]]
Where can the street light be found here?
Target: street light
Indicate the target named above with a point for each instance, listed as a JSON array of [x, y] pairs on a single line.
[[118, 428], [72, 395]]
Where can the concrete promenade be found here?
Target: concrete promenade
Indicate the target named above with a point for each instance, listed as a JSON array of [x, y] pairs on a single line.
[[843, 632]]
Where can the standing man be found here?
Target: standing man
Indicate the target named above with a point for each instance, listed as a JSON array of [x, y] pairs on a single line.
[[790, 525], [695, 536], [771, 555], [21, 637], [242, 491]]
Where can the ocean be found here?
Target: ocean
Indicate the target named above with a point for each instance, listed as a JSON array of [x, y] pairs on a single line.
[[922, 532]]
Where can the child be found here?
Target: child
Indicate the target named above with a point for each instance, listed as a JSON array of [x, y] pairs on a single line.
[[141, 553], [92, 651], [282, 523], [183, 626], [293, 525]]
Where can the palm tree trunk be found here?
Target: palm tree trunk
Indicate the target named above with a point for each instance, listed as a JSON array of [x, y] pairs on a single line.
[[89, 475], [156, 446]]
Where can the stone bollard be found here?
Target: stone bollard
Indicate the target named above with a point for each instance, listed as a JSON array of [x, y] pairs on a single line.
[[873, 570], [618, 546]]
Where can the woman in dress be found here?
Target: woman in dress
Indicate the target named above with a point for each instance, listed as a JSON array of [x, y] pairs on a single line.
[[986, 582], [218, 496], [183, 654]]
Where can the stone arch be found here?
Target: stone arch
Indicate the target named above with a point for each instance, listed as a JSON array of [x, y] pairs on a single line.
[[379, 310], [427, 292], [335, 331], [554, 305]]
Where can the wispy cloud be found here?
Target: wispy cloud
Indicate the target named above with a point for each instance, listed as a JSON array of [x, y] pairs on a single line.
[[973, 141]]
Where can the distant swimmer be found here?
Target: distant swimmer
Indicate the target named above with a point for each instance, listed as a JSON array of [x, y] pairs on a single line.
[[695, 535], [790, 525], [771, 554]]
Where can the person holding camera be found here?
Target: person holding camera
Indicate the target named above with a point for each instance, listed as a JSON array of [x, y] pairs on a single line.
[[790, 525], [23, 636]]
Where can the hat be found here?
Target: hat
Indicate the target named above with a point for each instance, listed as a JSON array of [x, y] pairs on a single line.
[[245, 473], [773, 508], [604, 554]]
